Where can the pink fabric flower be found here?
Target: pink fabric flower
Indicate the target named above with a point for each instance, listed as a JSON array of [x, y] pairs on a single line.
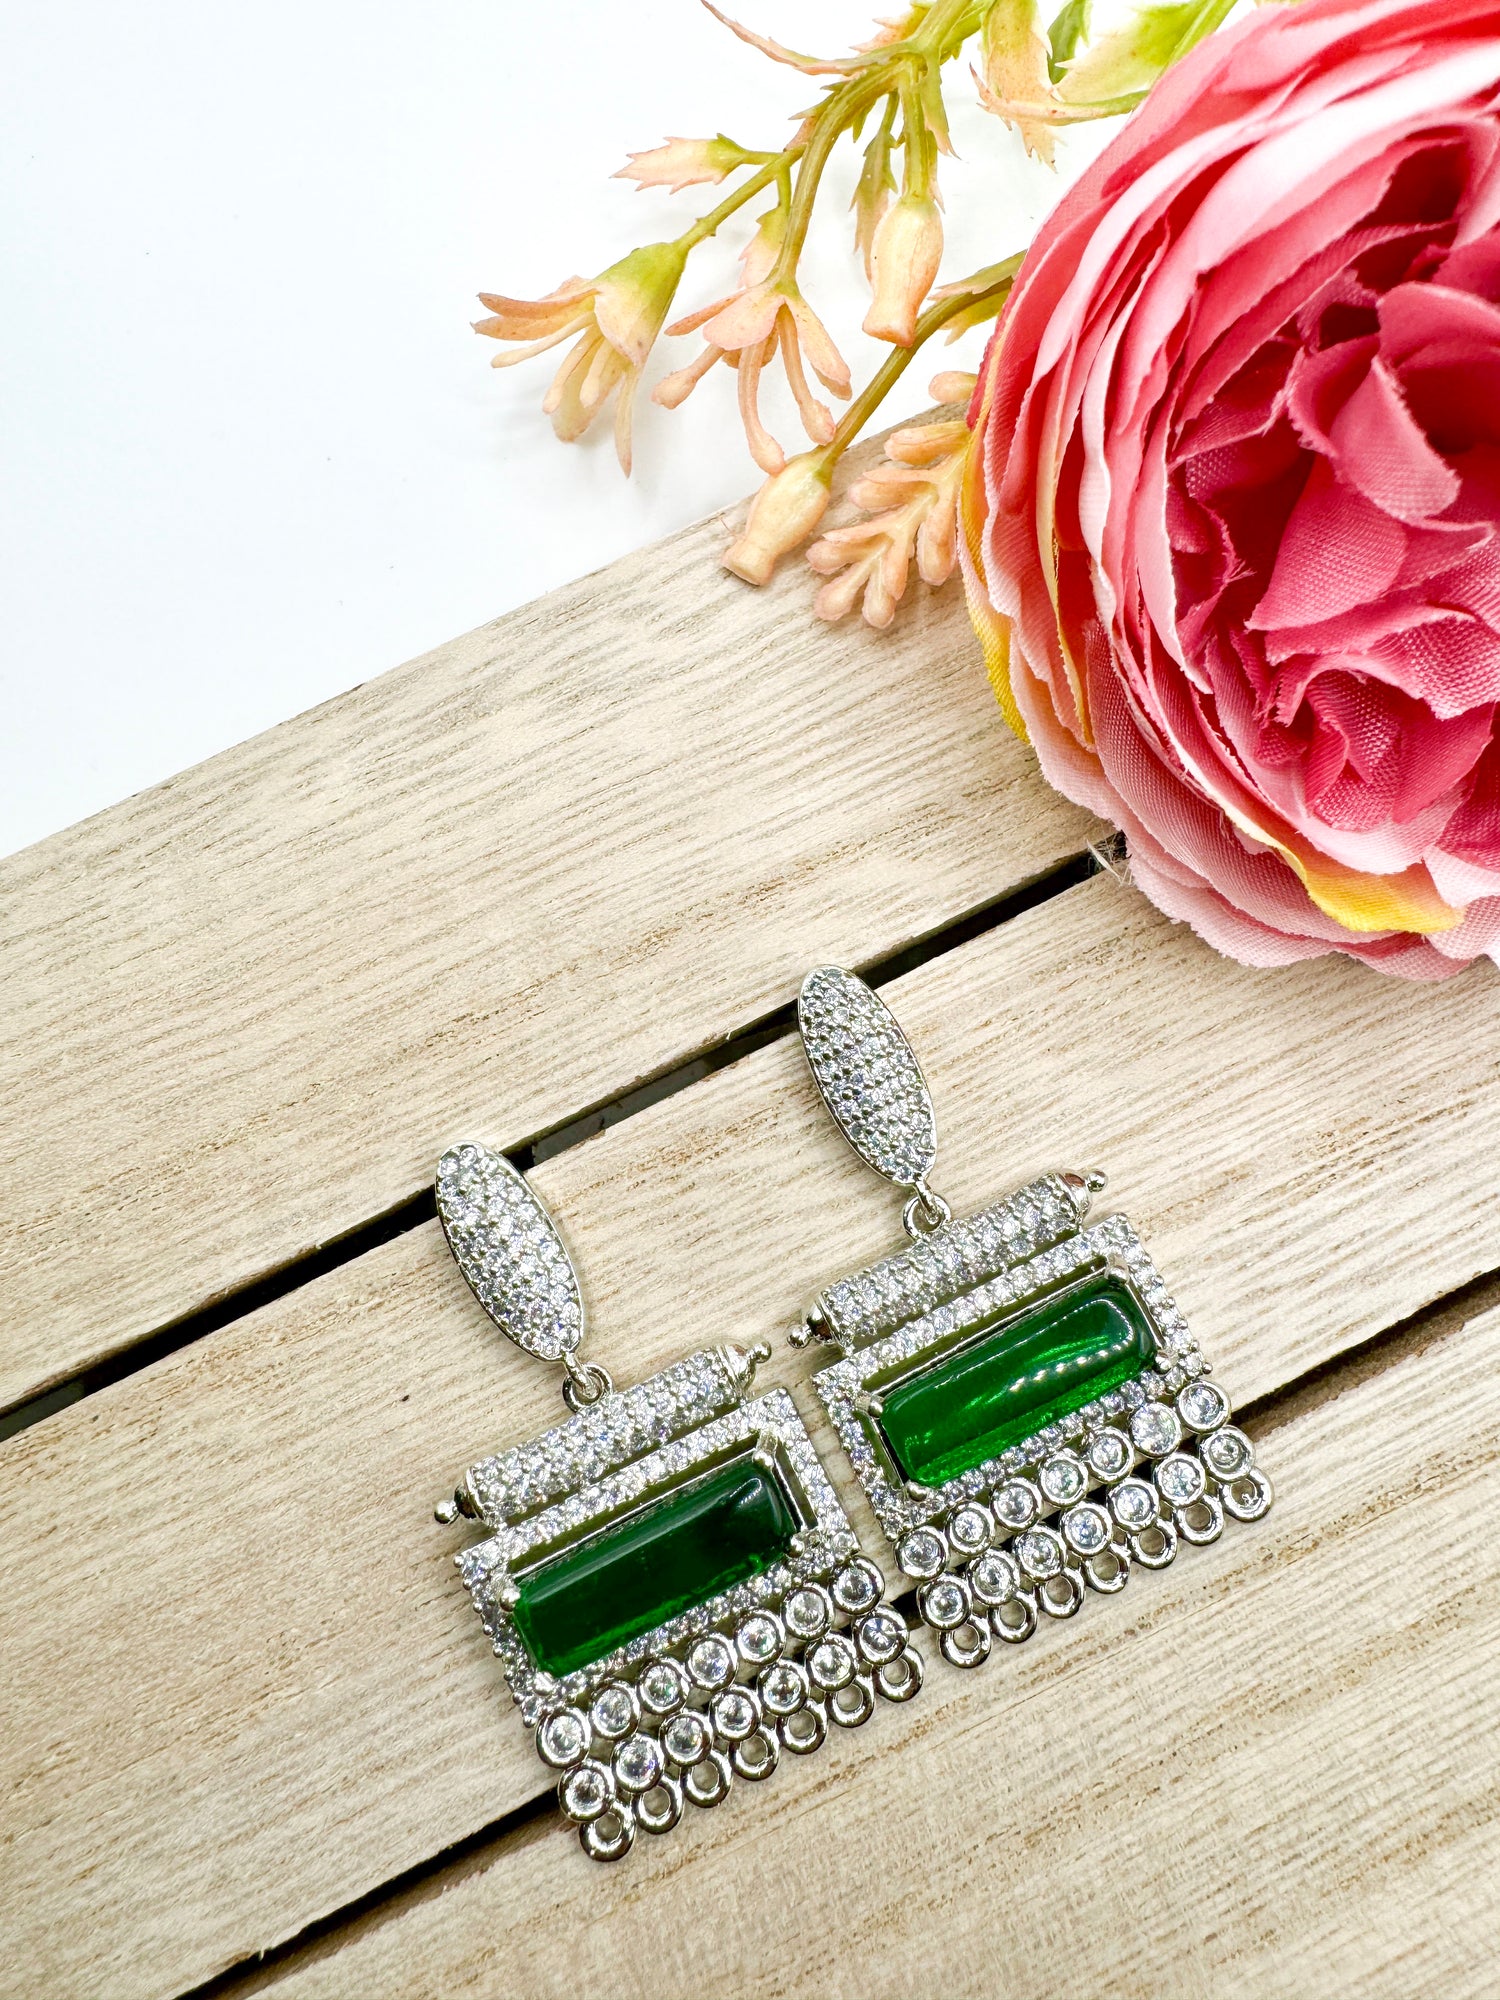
[[1231, 518]]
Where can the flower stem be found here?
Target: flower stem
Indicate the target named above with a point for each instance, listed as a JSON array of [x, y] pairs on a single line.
[[918, 162], [707, 225], [844, 104], [945, 27], [895, 364], [943, 30]]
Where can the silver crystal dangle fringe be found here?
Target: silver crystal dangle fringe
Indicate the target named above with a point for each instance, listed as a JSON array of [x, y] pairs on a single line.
[[673, 1590], [1019, 1396]]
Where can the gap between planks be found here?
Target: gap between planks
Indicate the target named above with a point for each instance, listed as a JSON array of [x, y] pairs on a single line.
[[497, 1846], [587, 1124], [248, 1687], [566, 853]]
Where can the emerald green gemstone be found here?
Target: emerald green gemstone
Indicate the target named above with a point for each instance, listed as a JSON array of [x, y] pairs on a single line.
[[1003, 1387], [605, 1590]]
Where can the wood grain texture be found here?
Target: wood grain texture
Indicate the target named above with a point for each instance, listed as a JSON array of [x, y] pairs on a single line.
[[247, 1686], [1276, 1772], [501, 884]]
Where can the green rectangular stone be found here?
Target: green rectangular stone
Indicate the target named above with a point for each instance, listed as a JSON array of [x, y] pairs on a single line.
[[676, 1552], [1035, 1368]]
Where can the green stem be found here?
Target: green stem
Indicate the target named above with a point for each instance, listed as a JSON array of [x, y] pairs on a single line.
[[919, 162], [943, 31], [844, 104], [896, 363], [946, 26], [774, 168]]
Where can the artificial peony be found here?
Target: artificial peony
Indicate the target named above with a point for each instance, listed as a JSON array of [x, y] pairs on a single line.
[[1231, 515]]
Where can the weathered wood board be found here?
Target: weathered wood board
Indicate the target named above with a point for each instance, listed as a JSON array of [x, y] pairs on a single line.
[[245, 1012], [1276, 1773], [510, 880], [275, 1697]]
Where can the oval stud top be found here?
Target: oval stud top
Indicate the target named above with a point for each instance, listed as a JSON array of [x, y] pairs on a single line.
[[509, 1250], [867, 1075]]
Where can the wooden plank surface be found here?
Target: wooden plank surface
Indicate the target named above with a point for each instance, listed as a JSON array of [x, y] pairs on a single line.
[[1276, 1772], [249, 1689], [506, 882]]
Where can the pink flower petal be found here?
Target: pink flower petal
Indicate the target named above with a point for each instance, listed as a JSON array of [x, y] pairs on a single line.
[[1337, 552], [1237, 501], [1380, 450]]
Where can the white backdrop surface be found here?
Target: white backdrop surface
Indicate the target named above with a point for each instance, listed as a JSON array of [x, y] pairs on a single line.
[[253, 453]]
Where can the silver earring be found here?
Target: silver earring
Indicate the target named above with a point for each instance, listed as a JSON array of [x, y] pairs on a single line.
[[674, 1592], [1019, 1396]]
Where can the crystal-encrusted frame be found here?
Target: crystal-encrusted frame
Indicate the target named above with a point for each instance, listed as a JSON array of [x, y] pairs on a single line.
[[622, 1425], [954, 1258], [628, 1479], [1111, 1243], [719, 1693], [1071, 1509]]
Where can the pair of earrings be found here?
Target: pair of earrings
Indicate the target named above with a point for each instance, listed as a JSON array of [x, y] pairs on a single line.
[[673, 1589]]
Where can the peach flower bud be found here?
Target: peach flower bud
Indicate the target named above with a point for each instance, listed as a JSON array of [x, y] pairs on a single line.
[[784, 512], [634, 296], [684, 163], [616, 318], [907, 250]]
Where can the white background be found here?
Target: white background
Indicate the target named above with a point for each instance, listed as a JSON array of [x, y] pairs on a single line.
[[252, 452]]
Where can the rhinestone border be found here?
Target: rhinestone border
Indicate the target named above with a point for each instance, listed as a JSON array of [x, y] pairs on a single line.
[[621, 1426], [960, 1254], [1112, 1239], [487, 1567]]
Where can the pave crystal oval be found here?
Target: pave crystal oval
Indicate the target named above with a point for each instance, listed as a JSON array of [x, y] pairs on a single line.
[[508, 1249], [563, 1737], [662, 1688], [1155, 1429], [1179, 1480], [1133, 1504], [1039, 1552], [686, 1738], [615, 1711], [922, 1552], [1109, 1454], [867, 1075], [638, 1764], [1202, 1405], [1063, 1478], [1227, 1453], [711, 1662], [808, 1612], [1086, 1528], [993, 1577]]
